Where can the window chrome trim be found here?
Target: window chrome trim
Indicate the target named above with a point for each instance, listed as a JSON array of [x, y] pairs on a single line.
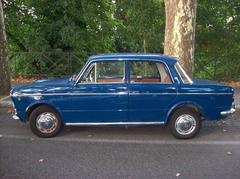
[[94, 61], [186, 75], [95, 64], [112, 123], [91, 66], [151, 83], [151, 60], [79, 76]]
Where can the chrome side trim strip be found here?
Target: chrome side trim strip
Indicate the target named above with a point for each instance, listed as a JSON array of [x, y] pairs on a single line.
[[179, 93], [204, 93], [71, 94], [112, 94], [151, 94], [111, 123]]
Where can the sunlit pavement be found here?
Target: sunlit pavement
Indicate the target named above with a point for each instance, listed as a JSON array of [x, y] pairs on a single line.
[[119, 152]]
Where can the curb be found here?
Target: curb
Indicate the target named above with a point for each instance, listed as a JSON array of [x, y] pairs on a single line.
[[6, 102]]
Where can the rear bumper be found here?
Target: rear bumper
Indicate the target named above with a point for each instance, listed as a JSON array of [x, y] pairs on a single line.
[[231, 111]]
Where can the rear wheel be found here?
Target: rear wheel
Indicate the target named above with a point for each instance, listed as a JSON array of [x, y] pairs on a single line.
[[185, 123], [45, 122]]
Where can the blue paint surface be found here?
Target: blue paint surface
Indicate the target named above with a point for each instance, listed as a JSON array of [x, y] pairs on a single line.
[[123, 102]]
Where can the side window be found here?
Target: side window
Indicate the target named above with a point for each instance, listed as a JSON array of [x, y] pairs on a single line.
[[104, 72], [148, 72]]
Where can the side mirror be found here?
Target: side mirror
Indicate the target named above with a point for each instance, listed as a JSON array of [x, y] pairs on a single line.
[[72, 78], [176, 80]]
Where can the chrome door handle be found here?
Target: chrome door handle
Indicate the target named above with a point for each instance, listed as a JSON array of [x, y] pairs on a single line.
[[122, 88], [171, 88]]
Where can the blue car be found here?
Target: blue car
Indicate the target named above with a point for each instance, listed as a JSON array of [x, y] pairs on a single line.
[[123, 89]]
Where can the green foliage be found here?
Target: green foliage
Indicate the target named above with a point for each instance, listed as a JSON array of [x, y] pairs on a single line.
[[73, 25], [102, 26], [141, 21], [217, 39]]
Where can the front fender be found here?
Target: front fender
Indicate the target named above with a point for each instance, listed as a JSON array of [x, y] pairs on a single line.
[[25, 104], [36, 104]]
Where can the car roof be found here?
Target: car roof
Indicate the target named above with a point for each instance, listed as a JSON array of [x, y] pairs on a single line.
[[134, 56]]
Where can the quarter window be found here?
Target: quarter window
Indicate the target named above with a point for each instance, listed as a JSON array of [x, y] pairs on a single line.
[[148, 72], [185, 78], [104, 72]]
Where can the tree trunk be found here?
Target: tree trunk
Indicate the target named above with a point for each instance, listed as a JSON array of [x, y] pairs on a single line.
[[180, 31], [4, 71]]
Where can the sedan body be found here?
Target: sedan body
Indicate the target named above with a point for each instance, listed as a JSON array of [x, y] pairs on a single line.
[[123, 89]]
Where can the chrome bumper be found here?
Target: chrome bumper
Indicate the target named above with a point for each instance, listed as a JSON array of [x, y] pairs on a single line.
[[224, 113], [15, 117]]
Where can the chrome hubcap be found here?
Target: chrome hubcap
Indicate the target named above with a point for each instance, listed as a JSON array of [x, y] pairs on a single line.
[[46, 122], [185, 124]]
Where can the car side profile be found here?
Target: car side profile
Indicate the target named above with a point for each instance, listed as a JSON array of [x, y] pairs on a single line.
[[123, 89]]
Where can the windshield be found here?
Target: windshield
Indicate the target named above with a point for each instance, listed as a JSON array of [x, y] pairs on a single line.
[[183, 75]]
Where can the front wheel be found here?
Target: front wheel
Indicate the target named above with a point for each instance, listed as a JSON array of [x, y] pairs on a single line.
[[45, 122], [185, 123]]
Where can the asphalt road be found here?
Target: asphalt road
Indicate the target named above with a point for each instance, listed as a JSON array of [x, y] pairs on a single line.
[[111, 152]]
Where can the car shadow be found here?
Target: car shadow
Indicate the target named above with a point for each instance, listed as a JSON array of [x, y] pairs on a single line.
[[134, 132], [116, 131]]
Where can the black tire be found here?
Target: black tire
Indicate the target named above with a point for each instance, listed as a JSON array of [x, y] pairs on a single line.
[[176, 116], [35, 115]]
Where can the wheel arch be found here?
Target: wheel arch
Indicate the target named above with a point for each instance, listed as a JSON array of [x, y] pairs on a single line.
[[30, 109], [189, 105]]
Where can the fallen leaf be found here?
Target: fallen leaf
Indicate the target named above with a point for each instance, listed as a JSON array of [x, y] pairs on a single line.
[[178, 174], [41, 160]]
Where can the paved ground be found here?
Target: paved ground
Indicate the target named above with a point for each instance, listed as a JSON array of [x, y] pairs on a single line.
[[135, 152]]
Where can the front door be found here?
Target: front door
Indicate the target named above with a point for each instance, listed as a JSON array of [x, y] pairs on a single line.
[[101, 95], [151, 91]]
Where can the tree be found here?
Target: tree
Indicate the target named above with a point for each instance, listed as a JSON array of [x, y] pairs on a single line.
[[180, 31], [141, 26], [217, 40], [4, 71], [59, 26]]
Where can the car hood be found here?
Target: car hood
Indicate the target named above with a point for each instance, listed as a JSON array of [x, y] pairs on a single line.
[[51, 85]]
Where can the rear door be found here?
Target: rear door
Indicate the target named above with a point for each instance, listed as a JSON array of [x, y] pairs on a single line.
[[151, 91]]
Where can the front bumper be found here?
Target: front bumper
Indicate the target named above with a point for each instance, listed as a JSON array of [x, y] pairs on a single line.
[[15, 117], [231, 111]]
